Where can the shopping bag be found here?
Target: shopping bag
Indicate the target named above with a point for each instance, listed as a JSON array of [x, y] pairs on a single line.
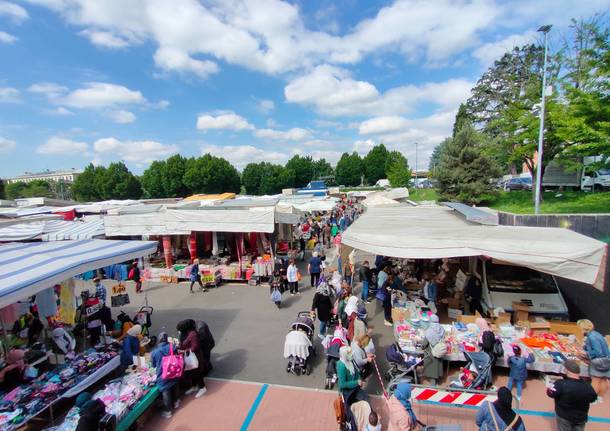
[[172, 366], [132, 273], [276, 296], [190, 361], [299, 276]]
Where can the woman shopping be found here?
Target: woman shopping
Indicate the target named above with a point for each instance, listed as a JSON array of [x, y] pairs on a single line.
[[350, 384], [499, 415], [598, 355], [130, 346], [189, 344], [169, 388], [433, 366], [402, 417], [322, 306]]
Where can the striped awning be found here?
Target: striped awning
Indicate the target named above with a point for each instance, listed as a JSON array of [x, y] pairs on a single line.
[[77, 230], [29, 231], [28, 268]]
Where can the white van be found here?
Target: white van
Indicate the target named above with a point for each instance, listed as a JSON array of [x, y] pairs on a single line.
[[504, 284]]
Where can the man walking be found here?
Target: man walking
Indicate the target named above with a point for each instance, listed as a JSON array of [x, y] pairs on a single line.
[[572, 399]]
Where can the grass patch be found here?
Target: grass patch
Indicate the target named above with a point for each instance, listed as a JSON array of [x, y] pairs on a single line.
[[522, 202], [420, 195]]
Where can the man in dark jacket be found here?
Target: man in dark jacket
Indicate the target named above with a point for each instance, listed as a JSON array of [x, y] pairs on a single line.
[[366, 279], [207, 343], [572, 399]]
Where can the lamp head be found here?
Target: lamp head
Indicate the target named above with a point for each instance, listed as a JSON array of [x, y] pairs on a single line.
[[545, 28]]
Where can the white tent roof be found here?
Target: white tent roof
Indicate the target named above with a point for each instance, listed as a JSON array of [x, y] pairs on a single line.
[[34, 230], [26, 269], [182, 222], [437, 232], [77, 230]]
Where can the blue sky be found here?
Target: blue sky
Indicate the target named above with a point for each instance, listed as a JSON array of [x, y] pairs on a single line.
[[249, 80]]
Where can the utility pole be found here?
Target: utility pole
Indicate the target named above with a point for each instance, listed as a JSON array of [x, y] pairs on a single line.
[[416, 165], [544, 29]]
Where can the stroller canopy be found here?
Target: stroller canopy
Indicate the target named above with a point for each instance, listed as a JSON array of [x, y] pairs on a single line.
[[297, 344]]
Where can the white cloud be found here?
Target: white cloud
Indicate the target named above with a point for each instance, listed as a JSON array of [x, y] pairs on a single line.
[[9, 95], [57, 145], [104, 39], [13, 11], [133, 151], [96, 95], [294, 134], [266, 105], [241, 155], [7, 38], [161, 104], [61, 111], [223, 121], [121, 117], [382, 125], [171, 59], [332, 91], [6, 145], [49, 89], [363, 147], [490, 52]]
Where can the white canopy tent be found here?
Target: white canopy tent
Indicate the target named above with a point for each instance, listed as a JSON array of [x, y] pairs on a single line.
[[28, 268], [438, 232], [183, 222], [32, 230], [77, 230]]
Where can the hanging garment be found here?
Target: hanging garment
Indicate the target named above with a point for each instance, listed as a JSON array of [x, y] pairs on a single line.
[[67, 305], [46, 303]]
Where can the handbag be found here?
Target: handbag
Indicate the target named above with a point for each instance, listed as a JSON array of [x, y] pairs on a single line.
[[172, 366], [119, 300], [276, 296], [131, 274], [190, 361], [601, 364], [439, 350]]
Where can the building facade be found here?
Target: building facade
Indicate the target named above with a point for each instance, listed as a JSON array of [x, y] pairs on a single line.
[[67, 176]]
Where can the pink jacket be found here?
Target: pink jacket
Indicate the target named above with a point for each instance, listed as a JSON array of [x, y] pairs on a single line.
[[399, 418]]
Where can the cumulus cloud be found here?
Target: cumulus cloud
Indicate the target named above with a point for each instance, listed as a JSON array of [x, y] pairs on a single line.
[[223, 121], [13, 11], [57, 145], [7, 38], [294, 134], [382, 125], [9, 95], [362, 147], [241, 155], [272, 36], [60, 110], [332, 91], [133, 151], [266, 105], [6, 145], [95, 95], [104, 39], [490, 52], [121, 116], [49, 89]]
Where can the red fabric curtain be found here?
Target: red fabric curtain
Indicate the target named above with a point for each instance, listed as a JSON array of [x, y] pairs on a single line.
[[193, 245], [167, 251]]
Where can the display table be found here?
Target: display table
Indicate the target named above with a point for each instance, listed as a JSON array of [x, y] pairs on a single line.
[[138, 409], [29, 400]]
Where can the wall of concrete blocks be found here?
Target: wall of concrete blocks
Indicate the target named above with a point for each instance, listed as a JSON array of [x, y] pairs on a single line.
[[583, 300]]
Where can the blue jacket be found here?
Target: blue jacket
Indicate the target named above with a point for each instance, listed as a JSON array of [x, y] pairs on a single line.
[[130, 348], [596, 346], [485, 421], [518, 366], [156, 358]]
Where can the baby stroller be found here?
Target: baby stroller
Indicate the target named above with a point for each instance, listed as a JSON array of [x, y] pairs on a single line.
[[298, 345], [401, 366], [476, 374], [143, 318], [332, 344]]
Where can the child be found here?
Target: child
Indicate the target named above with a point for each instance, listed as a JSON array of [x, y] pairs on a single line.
[[374, 424], [518, 370], [275, 284]]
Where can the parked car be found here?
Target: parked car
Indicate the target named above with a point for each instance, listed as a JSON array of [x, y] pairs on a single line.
[[519, 183]]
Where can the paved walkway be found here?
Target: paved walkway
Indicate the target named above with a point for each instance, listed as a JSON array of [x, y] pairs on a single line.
[[234, 405]]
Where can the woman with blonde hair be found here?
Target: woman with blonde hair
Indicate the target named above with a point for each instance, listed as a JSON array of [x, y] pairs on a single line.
[[598, 355]]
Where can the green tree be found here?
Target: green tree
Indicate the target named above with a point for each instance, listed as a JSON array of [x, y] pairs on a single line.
[[2, 195], [210, 174], [462, 118], [32, 189], [321, 168], [251, 177], [84, 188], [349, 169], [435, 158], [465, 172], [152, 180], [275, 178], [117, 182], [397, 170], [375, 163], [173, 177], [15, 190], [303, 168]]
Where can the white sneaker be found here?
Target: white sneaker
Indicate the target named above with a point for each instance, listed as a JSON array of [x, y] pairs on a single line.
[[386, 323], [320, 336], [166, 415], [201, 392], [190, 390], [177, 404]]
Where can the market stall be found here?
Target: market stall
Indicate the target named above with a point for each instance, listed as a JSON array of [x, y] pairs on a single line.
[[28, 269]]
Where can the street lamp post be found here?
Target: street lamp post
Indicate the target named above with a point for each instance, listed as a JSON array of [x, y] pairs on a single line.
[[416, 145], [544, 29]]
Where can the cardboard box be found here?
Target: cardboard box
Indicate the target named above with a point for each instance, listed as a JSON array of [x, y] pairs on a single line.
[[467, 319], [454, 313], [521, 312], [566, 328], [502, 318], [454, 303], [398, 314], [536, 327]]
